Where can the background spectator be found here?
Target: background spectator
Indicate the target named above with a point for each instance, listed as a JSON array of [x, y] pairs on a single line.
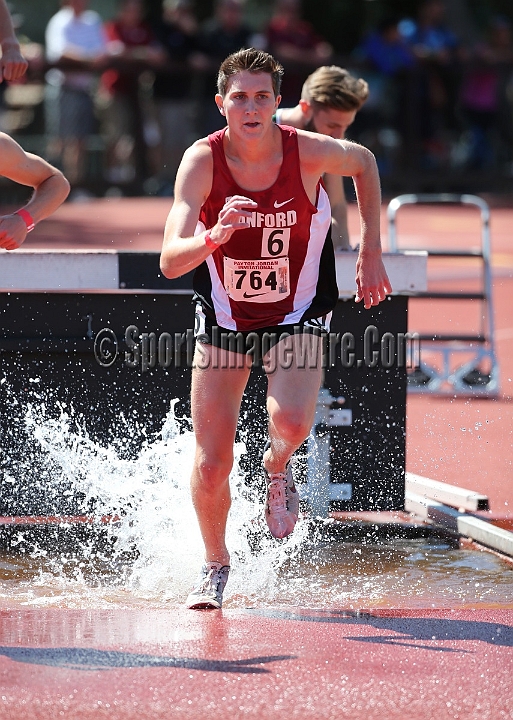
[[177, 32], [75, 41], [417, 118], [436, 48], [295, 43], [487, 69], [12, 63], [132, 50], [220, 36], [387, 63]]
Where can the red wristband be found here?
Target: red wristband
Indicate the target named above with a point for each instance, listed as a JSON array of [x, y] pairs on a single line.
[[209, 242], [27, 217]]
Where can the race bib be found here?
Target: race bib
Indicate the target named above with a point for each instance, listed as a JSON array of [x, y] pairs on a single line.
[[260, 281]]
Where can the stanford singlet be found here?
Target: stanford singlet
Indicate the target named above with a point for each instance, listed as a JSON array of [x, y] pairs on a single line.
[[281, 269]]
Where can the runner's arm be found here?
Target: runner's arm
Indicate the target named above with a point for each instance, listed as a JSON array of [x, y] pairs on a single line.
[[182, 250], [372, 283], [50, 189], [341, 157], [338, 203]]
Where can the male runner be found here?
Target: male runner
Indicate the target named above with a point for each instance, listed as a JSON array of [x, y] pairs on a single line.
[[260, 251], [330, 99], [50, 190]]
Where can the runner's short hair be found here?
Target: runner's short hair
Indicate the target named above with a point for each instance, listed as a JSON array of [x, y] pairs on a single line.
[[334, 87], [253, 60]]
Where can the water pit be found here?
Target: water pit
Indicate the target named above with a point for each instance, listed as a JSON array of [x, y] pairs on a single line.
[[150, 554], [398, 573]]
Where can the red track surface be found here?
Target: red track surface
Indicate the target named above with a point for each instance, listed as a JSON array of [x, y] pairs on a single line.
[[299, 664], [154, 663]]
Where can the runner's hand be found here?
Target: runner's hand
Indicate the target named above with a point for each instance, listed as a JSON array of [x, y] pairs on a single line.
[[13, 231], [232, 216], [372, 283], [12, 64]]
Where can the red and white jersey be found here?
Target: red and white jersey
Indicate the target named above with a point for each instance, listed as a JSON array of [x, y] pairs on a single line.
[[278, 271]]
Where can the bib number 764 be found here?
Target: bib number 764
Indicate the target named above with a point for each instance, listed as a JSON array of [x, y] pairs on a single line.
[[257, 280]]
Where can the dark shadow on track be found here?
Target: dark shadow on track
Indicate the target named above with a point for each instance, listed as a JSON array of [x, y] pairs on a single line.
[[411, 631], [92, 659]]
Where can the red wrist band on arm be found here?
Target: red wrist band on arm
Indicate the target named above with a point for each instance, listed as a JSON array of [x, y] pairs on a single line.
[[27, 217], [209, 242]]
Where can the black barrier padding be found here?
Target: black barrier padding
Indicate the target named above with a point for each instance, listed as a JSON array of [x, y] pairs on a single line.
[[47, 352], [142, 270], [371, 453]]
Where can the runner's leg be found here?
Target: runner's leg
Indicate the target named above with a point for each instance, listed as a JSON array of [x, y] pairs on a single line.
[[218, 381], [294, 372]]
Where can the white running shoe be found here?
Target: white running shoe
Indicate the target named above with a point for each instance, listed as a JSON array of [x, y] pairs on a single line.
[[208, 593], [282, 503]]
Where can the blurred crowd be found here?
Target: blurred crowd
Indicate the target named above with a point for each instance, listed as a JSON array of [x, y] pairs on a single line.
[[140, 93]]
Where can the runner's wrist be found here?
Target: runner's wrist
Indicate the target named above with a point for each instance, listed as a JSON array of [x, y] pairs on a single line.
[[27, 218], [210, 242], [9, 42], [370, 251]]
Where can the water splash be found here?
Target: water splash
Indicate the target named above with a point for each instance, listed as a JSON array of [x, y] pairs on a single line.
[[154, 521], [152, 552]]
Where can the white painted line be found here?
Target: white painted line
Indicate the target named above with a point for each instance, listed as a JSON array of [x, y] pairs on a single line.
[[443, 492], [59, 270]]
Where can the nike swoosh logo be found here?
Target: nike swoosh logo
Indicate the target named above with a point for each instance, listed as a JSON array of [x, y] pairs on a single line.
[[253, 294], [279, 205]]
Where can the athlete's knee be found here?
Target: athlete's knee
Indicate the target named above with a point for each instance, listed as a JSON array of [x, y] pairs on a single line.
[[212, 469], [292, 424]]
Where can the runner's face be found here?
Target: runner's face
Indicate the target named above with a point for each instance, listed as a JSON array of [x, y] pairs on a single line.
[[249, 102], [332, 122]]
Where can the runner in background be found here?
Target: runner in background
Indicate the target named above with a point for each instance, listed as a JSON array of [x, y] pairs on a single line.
[[330, 99], [50, 190], [251, 215]]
